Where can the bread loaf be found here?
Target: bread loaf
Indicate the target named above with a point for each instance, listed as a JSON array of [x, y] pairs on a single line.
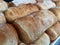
[[20, 11], [2, 18], [3, 5], [8, 35], [32, 26], [43, 40], [46, 4], [56, 11], [52, 34], [56, 27], [54, 31]]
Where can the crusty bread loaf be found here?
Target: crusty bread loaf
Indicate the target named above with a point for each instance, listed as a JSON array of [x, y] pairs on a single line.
[[20, 11], [54, 31], [43, 40], [56, 11], [52, 34], [2, 18], [3, 5], [46, 4], [32, 26], [8, 35], [56, 27]]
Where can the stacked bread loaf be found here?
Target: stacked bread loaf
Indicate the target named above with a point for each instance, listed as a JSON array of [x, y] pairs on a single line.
[[29, 23]]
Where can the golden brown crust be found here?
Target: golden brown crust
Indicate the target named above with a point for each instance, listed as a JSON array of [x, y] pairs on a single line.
[[10, 33], [56, 27], [32, 26], [21, 11], [52, 34]]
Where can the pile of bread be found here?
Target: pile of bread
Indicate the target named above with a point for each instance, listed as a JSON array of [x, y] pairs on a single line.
[[29, 24]]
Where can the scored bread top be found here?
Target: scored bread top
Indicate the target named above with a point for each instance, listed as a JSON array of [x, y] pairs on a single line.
[[20, 11], [32, 26]]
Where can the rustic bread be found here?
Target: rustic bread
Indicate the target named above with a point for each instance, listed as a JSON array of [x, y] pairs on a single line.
[[32, 26], [57, 27], [52, 34], [8, 35], [54, 31], [20, 11]]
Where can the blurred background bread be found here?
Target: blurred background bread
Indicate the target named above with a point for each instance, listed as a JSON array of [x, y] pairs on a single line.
[[8, 35], [36, 22], [3, 5], [46, 4]]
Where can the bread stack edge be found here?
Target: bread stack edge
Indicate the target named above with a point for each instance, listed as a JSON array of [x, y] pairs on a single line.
[[29, 24]]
